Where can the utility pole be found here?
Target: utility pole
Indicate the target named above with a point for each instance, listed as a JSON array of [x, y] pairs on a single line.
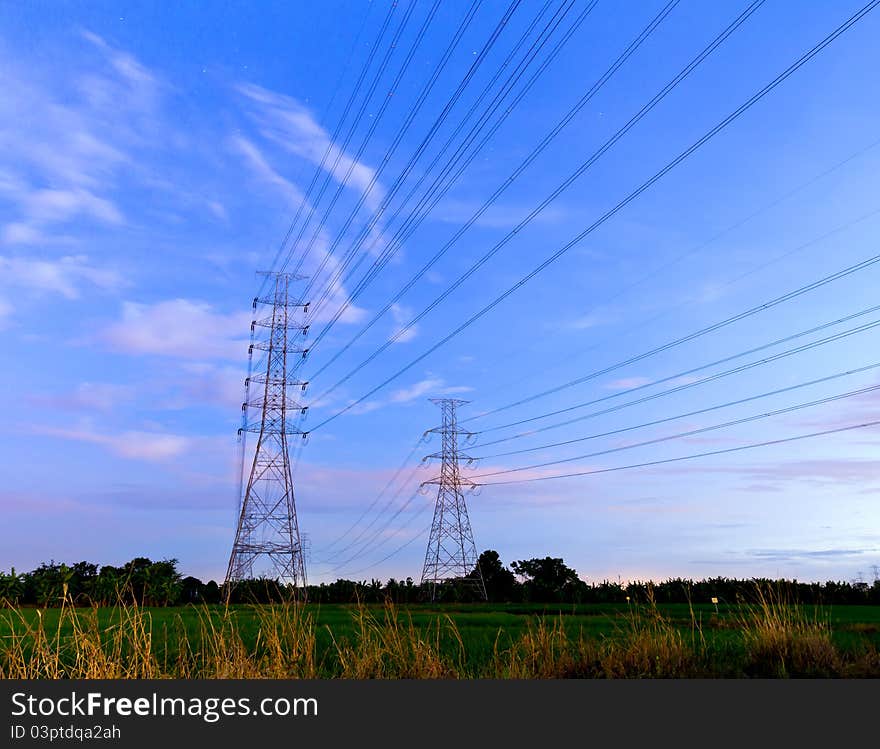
[[451, 554], [267, 539]]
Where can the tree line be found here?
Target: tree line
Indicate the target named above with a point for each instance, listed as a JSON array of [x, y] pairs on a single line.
[[539, 580]]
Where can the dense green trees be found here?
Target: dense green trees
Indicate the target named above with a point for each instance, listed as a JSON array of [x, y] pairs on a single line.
[[140, 581], [500, 582], [548, 579], [541, 580]]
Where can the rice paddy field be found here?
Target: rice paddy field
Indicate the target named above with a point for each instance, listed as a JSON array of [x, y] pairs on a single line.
[[767, 638]]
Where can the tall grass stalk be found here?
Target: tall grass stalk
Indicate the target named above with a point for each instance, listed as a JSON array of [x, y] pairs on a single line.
[[769, 636]]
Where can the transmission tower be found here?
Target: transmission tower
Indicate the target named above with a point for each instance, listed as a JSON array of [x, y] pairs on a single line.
[[267, 539], [451, 554]]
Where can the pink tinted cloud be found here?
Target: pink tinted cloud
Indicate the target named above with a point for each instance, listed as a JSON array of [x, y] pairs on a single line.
[[626, 383], [87, 396], [65, 276], [830, 470], [137, 445], [181, 328]]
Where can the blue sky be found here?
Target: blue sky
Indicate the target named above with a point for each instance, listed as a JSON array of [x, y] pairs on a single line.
[[152, 158]]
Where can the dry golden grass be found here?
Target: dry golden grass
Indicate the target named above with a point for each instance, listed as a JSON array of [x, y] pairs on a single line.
[[120, 651], [543, 651], [771, 637], [284, 647], [783, 639], [647, 645], [653, 647], [388, 648]]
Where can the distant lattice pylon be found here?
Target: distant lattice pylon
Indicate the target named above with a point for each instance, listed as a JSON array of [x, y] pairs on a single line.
[[451, 554], [267, 539]]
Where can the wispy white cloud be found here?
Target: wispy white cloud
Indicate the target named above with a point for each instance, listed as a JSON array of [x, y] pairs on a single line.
[[788, 555], [584, 323], [203, 382], [180, 328], [69, 138], [708, 293], [365, 408], [686, 380], [416, 390], [65, 276], [55, 205], [854, 410], [829, 471], [289, 124], [401, 316], [430, 386], [625, 383], [139, 85], [87, 396], [5, 313], [337, 298], [504, 216], [21, 233], [314, 246], [138, 445], [263, 171], [218, 209], [75, 145]]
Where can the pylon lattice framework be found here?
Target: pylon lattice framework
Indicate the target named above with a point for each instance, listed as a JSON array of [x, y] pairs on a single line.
[[268, 530], [451, 553]]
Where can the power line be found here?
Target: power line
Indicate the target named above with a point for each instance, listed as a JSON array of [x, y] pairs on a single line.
[[351, 99], [698, 412], [514, 175], [778, 300], [443, 182], [333, 281], [800, 291], [632, 196], [694, 456], [693, 250], [391, 500], [686, 386], [370, 543], [789, 409], [337, 88], [366, 544], [561, 188], [693, 370], [341, 149], [379, 496], [397, 550], [688, 433], [754, 214], [394, 242], [353, 161], [465, 22]]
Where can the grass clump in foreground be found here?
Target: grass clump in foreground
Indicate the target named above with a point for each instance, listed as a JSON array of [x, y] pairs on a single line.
[[643, 644], [769, 636], [782, 639]]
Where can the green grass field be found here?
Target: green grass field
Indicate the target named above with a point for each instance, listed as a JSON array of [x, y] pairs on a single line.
[[769, 638]]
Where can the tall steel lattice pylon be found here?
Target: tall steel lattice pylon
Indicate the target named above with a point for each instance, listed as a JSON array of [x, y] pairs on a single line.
[[267, 540], [451, 554]]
